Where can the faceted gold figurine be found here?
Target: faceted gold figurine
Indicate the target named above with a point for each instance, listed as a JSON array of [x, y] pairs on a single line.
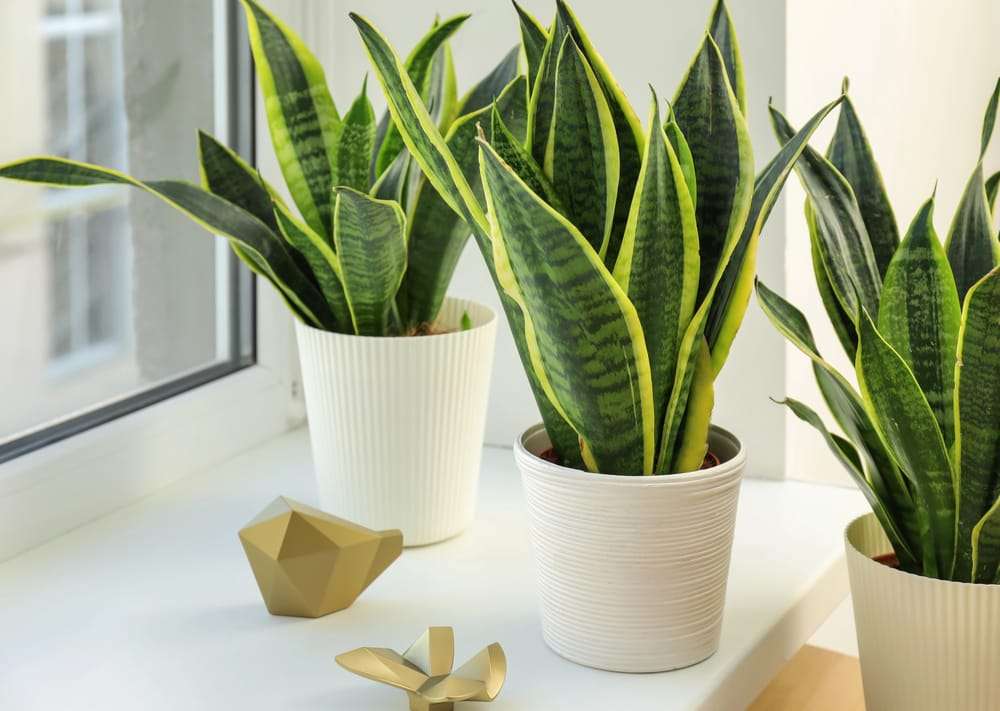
[[309, 563], [424, 671]]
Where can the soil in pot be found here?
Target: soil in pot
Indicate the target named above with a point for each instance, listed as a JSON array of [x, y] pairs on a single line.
[[549, 455], [887, 559]]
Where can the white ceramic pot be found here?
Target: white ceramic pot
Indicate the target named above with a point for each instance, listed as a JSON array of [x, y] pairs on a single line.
[[925, 644], [397, 423], [632, 570]]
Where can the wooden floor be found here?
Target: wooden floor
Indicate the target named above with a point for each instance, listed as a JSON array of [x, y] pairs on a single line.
[[814, 680]]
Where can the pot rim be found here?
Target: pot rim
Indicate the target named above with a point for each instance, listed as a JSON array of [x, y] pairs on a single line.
[[489, 320], [887, 570], [736, 462]]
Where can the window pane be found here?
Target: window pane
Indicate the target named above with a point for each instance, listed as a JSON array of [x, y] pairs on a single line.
[[106, 292]]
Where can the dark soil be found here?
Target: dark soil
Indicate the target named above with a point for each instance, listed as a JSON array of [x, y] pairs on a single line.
[[888, 559]]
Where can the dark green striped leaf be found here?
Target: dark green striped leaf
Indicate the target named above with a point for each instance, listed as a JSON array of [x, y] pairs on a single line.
[[587, 344], [302, 117], [720, 26], [418, 68], [357, 139], [733, 293], [683, 151], [543, 94], [263, 250], [907, 424], [628, 130], [371, 244], [533, 39], [842, 324], [657, 266], [391, 185], [851, 154], [992, 188], [844, 243], [582, 156], [225, 174], [512, 151], [977, 445], [708, 114], [972, 243], [492, 85], [919, 315]]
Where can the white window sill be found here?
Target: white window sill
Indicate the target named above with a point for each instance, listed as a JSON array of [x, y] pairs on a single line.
[[155, 607]]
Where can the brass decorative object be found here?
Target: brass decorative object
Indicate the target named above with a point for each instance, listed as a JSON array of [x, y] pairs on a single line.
[[424, 671], [308, 563]]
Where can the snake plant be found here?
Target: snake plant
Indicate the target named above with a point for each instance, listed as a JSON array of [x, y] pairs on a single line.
[[624, 257], [921, 323], [373, 246]]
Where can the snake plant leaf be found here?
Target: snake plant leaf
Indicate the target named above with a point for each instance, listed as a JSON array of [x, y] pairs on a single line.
[[977, 444], [263, 250], [370, 236], [429, 151], [322, 262], [989, 120], [492, 85], [225, 174], [587, 342], [657, 266], [301, 114], [581, 159], [972, 243], [842, 324], [848, 456], [844, 242], [391, 185], [533, 39], [907, 424], [732, 296], [708, 114], [919, 315], [851, 154], [992, 188], [357, 137], [720, 27], [543, 93], [443, 89], [512, 151], [418, 68], [628, 129], [693, 445], [437, 235], [683, 151]]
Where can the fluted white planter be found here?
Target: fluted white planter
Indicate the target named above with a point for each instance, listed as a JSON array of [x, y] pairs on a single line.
[[632, 570], [925, 644], [397, 423]]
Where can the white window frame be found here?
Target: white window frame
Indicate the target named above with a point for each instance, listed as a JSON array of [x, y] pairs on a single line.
[[49, 491]]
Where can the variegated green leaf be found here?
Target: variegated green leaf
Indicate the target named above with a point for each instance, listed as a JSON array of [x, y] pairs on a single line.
[[693, 444], [683, 151], [302, 117], [628, 130], [321, 260], [543, 94], [263, 250], [919, 315], [418, 68], [357, 138], [977, 444], [371, 244], [907, 424], [581, 159], [511, 150], [851, 154], [972, 245], [443, 89], [849, 457], [391, 185], [842, 324], [657, 266], [992, 188], [533, 39], [708, 114], [492, 85], [584, 335], [720, 26], [733, 293], [225, 174], [844, 243]]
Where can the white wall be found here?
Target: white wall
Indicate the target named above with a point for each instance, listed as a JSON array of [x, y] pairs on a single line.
[[921, 73]]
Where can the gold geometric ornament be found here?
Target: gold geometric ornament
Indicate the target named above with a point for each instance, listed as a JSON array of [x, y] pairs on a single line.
[[308, 563], [424, 671]]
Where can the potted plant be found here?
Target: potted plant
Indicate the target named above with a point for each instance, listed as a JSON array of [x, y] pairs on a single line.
[[395, 374], [624, 259], [921, 436]]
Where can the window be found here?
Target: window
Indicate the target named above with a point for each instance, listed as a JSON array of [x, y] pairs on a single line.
[[109, 300]]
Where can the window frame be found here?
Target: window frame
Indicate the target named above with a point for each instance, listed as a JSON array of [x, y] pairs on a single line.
[[177, 429]]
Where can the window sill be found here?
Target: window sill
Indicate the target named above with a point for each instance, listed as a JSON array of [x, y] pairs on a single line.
[[154, 606]]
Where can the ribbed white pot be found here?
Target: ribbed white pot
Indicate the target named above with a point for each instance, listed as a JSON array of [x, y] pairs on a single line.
[[925, 644], [632, 570], [397, 423]]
